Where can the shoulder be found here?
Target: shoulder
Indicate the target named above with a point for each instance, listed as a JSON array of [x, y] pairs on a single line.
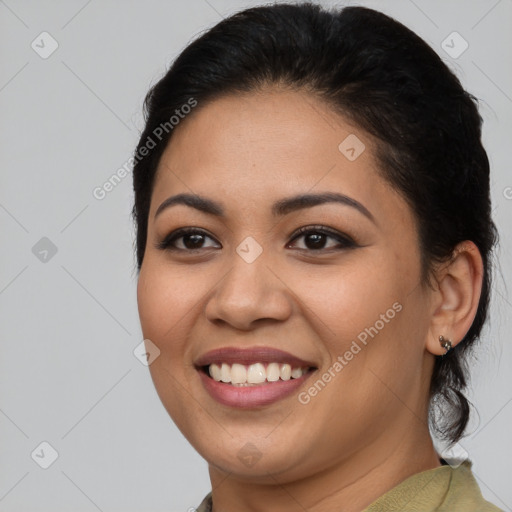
[[464, 493], [206, 504], [442, 489]]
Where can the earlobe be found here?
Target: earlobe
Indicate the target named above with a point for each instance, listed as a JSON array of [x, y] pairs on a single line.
[[457, 297], [446, 344]]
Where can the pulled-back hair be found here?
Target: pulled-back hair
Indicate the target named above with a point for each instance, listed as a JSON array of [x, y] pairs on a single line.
[[385, 79]]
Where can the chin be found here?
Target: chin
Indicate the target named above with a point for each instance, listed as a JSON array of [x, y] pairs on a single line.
[[254, 458]]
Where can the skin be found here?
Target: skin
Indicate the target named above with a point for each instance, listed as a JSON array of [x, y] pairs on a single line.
[[366, 430]]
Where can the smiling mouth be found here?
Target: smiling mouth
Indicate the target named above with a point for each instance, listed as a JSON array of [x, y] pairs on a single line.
[[256, 374]]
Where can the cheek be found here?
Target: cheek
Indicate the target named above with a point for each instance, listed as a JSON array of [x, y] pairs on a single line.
[[163, 300], [171, 302], [365, 314], [347, 299]]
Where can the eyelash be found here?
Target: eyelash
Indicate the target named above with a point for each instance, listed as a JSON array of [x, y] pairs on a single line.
[[345, 241]]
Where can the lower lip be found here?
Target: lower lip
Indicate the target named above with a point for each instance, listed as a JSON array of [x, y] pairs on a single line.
[[247, 397]]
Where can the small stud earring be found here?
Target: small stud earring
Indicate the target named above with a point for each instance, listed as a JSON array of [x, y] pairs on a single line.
[[446, 344]]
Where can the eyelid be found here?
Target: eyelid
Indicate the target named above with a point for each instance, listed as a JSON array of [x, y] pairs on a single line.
[[165, 244], [333, 233], [343, 242], [343, 239]]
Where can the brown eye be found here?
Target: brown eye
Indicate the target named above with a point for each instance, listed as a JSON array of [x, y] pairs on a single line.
[[315, 239], [189, 239]]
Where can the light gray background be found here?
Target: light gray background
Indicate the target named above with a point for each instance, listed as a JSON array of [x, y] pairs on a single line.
[[68, 375]]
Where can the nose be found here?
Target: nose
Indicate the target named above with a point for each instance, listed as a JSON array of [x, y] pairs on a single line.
[[248, 295]]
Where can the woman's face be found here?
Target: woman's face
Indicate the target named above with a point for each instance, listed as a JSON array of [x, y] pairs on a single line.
[[344, 298]]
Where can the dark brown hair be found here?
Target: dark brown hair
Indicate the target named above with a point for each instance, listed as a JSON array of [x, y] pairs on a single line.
[[387, 80]]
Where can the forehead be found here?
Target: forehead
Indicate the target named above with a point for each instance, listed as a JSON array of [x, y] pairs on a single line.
[[255, 148], [274, 126]]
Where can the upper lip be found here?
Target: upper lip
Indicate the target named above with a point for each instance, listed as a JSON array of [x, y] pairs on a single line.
[[251, 355]]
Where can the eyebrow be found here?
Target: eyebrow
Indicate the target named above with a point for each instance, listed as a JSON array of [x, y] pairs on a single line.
[[279, 208]]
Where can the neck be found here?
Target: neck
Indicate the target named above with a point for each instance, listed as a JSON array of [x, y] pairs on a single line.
[[353, 483]]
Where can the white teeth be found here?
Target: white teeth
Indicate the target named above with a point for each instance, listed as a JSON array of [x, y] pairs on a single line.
[[215, 372], [296, 373], [225, 373], [256, 374], [273, 372], [286, 371], [240, 375]]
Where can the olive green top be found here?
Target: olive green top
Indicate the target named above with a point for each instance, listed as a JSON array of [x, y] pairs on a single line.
[[442, 489]]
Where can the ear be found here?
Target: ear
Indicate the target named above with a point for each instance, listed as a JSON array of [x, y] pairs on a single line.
[[455, 300]]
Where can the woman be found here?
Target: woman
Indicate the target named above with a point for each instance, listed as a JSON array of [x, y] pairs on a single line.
[[313, 244]]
